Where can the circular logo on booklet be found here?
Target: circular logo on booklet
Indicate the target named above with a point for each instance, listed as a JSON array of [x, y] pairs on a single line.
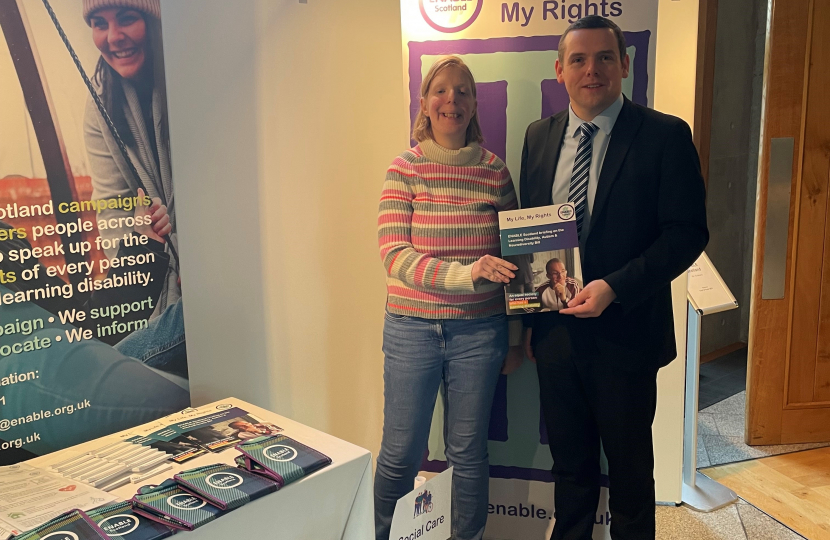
[[61, 535], [450, 15], [183, 501], [280, 452], [224, 480], [119, 525], [566, 211], [224, 406]]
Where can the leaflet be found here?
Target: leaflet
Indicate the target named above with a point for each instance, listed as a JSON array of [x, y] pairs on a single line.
[[281, 458], [170, 504], [213, 432], [225, 486], [7, 531], [74, 525], [544, 244], [119, 522], [29, 497]]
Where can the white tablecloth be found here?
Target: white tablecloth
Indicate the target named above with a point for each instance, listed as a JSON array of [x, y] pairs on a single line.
[[334, 503]]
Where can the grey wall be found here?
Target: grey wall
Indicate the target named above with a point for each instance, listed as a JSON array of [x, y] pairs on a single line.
[[733, 166], [212, 96]]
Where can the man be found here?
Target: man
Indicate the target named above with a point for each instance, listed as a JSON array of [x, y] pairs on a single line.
[[559, 288], [634, 177]]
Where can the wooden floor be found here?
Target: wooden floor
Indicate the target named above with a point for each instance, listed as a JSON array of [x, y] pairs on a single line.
[[792, 488]]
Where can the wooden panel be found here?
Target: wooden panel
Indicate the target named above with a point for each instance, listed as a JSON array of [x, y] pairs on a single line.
[[822, 386], [769, 320], [812, 218], [705, 81], [822, 374], [723, 351], [792, 488], [805, 425]]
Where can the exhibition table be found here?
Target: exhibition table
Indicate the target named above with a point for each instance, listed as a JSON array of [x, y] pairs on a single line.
[[333, 503]]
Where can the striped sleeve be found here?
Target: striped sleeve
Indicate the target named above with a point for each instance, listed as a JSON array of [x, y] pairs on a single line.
[[400, 258], [507, 195]]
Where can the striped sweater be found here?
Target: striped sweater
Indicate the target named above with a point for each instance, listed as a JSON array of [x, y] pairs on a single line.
[[438, 216]]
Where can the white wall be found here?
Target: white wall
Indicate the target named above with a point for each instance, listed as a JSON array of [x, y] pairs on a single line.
[[284, 117], [674, 93]]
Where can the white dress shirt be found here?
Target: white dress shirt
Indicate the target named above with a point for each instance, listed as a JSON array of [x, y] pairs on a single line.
[[565, 167]]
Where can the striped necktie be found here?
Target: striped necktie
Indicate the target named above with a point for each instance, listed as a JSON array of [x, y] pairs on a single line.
[[578, 193]]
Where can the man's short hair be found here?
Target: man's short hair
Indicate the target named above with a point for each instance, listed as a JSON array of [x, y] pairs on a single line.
[[589, 22], [552, 261]]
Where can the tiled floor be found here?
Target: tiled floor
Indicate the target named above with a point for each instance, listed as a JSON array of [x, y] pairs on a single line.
[[722, 378], [740, 521], [720, 435]]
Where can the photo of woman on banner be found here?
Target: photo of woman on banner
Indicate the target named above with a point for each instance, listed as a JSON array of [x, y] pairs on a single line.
[[129, 78], [445, 325]]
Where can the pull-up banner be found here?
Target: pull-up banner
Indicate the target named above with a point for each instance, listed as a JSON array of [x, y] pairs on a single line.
[[91, 322], [511, 48]]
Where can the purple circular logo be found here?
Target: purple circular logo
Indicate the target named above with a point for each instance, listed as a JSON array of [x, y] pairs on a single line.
[[450, 15], [566, 211]]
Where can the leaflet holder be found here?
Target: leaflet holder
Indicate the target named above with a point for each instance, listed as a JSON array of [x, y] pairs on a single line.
[[707, 293]]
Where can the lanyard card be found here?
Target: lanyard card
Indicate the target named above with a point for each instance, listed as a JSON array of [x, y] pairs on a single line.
[[244, 462], [226, 486], [284, 459], [119, 522], [73, 525], [170, 504]]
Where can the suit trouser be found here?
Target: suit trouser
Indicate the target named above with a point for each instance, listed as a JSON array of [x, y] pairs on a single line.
[[589, 402]]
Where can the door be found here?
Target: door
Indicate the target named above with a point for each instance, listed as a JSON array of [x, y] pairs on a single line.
[[788, 384]]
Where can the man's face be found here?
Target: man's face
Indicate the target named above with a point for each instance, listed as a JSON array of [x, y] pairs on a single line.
[[591, 70], [557, 273]]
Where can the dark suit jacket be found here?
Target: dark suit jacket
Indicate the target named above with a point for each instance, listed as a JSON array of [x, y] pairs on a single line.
[[648, 226]]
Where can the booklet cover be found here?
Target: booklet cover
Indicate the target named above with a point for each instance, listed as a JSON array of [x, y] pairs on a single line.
[[73, 525], [119, 522], [169, 503], [214, 432], [543, 243], [226, 486], [281, 458]]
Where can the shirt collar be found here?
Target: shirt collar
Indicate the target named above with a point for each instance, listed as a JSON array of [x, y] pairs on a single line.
[[604, 121]]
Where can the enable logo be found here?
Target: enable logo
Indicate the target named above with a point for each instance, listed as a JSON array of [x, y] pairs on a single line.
[[61, 535], [566, 212], [279, 452], [450, 15], [119, 525], [223, 480], [183, 501]]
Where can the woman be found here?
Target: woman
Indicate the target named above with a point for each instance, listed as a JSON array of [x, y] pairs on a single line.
[[130, 81], [438, 234]]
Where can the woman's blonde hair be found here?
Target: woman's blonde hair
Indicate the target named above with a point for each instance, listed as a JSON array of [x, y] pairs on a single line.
[[422, 128]]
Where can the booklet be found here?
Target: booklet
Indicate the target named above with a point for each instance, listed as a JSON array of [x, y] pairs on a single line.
[[170, 504], [543, 243], [212, 432], [72, 525], [119, 522], [226, 486], [281, 458]]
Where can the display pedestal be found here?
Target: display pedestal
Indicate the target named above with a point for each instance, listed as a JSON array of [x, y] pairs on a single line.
[[707, 294], [334, 503]]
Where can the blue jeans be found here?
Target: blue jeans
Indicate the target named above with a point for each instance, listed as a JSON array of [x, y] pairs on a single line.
[[161, 344], [420, 354]]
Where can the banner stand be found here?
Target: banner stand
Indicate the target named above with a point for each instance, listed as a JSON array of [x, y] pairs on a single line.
[[707, 294]]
